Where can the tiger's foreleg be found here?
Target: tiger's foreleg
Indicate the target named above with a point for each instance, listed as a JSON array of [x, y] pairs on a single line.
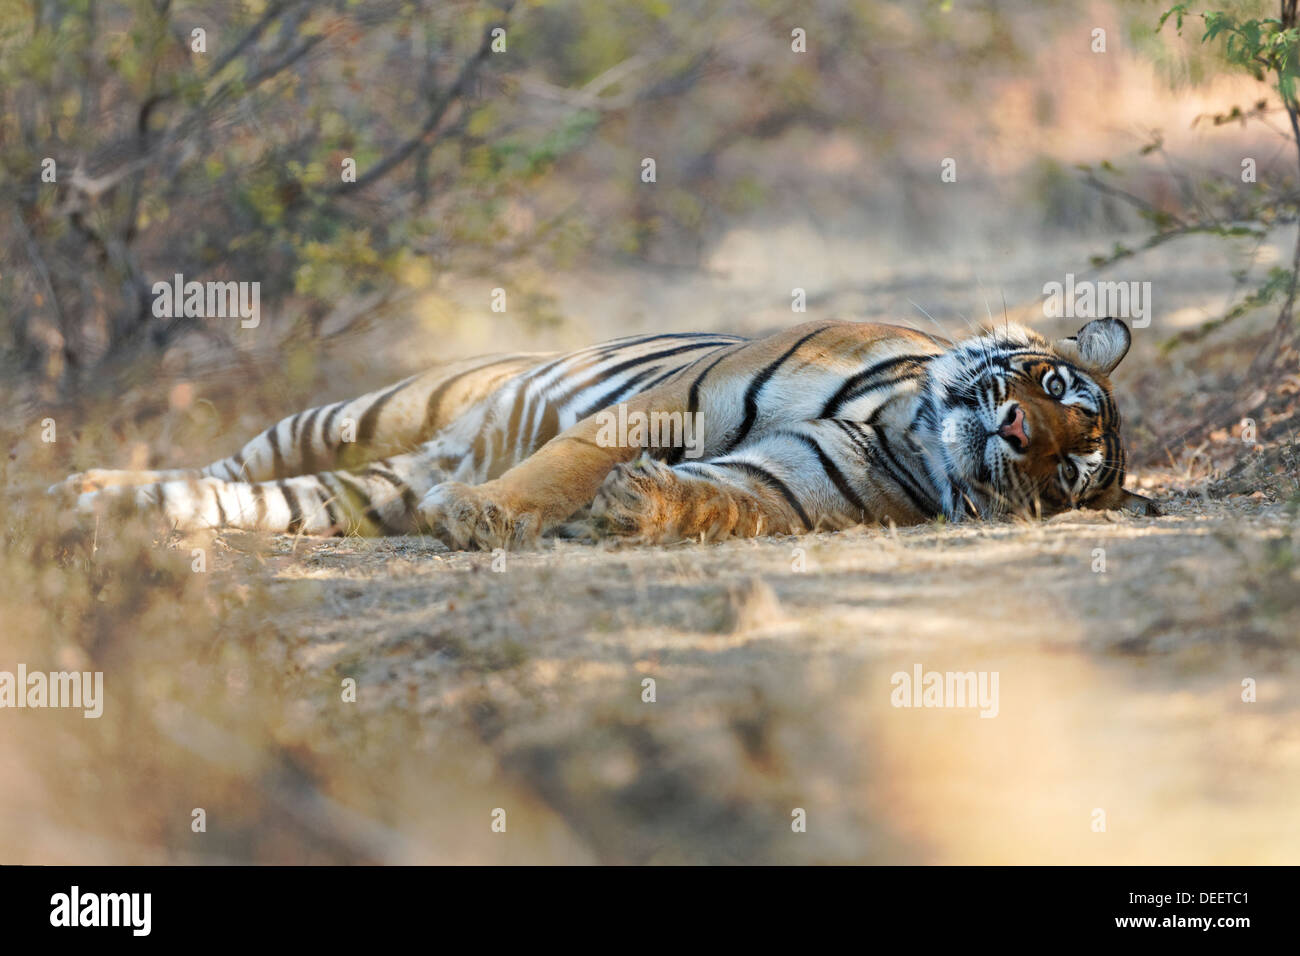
[[550, 486], [653, 503], [804, 477]]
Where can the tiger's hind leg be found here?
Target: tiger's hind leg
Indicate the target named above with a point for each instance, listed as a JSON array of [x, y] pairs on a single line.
[[379, 498], [292, 446], [343, 434]]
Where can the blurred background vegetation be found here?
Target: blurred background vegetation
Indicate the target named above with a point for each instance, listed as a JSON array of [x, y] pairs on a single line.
[[485, 165], [226, 164], [507, 164]]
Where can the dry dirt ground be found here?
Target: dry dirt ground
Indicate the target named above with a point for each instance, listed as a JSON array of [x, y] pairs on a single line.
[[1121, 646]]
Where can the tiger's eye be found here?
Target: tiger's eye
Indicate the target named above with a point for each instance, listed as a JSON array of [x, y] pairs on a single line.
[[1055, 386], [1069, 471]]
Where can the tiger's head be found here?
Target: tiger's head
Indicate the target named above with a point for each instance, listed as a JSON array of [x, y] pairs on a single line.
[[1013, 422]]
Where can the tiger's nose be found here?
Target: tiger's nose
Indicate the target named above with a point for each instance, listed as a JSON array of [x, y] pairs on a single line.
[[1013, 429]]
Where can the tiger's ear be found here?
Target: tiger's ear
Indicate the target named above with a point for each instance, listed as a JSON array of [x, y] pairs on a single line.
[[1099, 345]]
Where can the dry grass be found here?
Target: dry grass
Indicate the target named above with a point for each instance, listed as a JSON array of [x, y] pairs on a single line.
[[522, 689]]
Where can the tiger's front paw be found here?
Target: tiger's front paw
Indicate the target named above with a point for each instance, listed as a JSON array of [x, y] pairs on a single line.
[[647, 501], [632, 502], [469, 518]]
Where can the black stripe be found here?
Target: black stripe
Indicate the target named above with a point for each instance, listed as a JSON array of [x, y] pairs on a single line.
[[378, 472], [772, 481], [295, 511], [663, 378], [617, 393], [386, 472], [538, 373], [221, 512], [1112, 467], [356, 493], [581, 359], [699, 467], [328, 505], [548, 429], [370, 420], [610, 349], [896, 473], [328, 423], [433, 407], [756, 386], [516, 412], [868, 454], [832, 472], [629, 340], [879, 409], [334, 496], [903, 478], [1111, 417], [374, 517], [357, 500], [277, 458], [911, 375], [1109, 464], [845, 393], [606, 374], [308, 454], [532, 437], [496, 463], [390, 476], [528, 435], [1116, 457], [365, 510], [693, 400], [480, 443], [259, 495]]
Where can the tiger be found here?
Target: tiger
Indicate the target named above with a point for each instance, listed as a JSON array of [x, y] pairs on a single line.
[[819, 427]]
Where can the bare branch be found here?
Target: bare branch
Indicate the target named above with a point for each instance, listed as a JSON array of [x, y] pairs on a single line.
[[248, 39], [1135, 201], [453, 93]]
